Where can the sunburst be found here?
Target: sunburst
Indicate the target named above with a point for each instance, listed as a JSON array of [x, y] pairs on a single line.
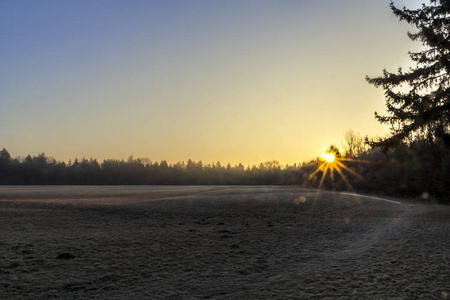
[[332, 162]]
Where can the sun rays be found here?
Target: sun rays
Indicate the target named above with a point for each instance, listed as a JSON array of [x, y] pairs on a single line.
[[333, 163]]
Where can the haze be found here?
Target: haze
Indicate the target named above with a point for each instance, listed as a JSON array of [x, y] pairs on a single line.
[[229, 81]]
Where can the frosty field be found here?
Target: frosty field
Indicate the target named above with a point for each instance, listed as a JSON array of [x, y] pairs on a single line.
[[219, 242]]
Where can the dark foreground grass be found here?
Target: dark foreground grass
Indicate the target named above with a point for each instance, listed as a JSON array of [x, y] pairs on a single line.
[[219, 243]]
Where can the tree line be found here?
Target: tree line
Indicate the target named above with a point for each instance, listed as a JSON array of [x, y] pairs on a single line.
[[413, 161], [42, 170], [419, 170]]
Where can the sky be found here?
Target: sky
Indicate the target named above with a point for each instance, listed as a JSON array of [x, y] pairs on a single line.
[[231, 81]]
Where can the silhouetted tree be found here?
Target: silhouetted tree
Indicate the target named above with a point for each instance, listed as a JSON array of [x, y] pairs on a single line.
[[4, 155], [418, 100], [5, 170], [334, 150], [354, 144]]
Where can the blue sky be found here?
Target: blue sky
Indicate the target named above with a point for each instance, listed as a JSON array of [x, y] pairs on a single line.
[[235, 81]]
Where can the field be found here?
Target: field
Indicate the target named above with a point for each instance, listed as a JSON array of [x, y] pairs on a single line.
[[220, 242]]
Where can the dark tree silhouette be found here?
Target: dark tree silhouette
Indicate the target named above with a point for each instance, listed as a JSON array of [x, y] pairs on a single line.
[[5, 162], [4, 155], [334, 150], [418, 101]]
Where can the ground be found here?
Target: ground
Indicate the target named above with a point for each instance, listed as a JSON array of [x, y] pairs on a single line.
[[222, 242]]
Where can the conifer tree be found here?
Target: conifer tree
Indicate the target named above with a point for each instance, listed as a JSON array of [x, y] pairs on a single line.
[[418, 100]]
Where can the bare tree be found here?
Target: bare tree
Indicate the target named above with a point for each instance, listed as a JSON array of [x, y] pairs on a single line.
[[354, 144]]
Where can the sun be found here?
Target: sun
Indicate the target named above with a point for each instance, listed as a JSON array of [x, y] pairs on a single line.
[[329, 157], [333, 162]]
